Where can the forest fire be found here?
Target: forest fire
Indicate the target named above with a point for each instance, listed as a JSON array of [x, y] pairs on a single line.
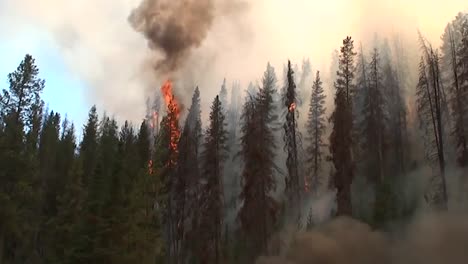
[[173, 112]]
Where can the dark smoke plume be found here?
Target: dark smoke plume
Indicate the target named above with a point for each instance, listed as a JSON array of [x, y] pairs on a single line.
[[176, 27], [436, 239]]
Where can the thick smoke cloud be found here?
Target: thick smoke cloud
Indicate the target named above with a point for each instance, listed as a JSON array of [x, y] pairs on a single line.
[[434, 239], [175, 28]]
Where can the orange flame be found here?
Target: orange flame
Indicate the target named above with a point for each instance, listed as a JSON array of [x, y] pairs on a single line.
[[292, 107], [173, 110]]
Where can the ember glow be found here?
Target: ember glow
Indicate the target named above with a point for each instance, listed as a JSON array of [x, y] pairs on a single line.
[[292, 107], [173, 112]]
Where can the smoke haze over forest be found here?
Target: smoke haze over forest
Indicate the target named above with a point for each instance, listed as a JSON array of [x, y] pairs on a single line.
[[101, 47], [236, 131]]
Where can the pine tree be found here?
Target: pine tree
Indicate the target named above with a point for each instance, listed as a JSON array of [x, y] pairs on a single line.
[[396, 112], [304, 81], [223, 95], [341, 142], [453, 67], [315, 132], [252, 90], [373, 126], [212, 200], [60, 227], [143, 146], [19, 185], [232, 172], [88, 146], [291, 134], [431, 114], [259, 210], [48, 155], [165, 168], [189, 174]]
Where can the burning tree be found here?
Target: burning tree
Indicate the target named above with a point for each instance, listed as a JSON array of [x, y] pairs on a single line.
[[293, 181], [166, 154]]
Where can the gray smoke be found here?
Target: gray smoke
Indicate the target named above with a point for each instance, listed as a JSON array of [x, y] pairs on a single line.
[[176, 28], [434, 239]]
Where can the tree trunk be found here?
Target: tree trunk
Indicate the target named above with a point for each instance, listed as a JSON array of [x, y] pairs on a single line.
[[2, 246], [343, 200]]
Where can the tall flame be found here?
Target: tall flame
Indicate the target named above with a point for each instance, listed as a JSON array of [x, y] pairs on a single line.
[[173, 112]]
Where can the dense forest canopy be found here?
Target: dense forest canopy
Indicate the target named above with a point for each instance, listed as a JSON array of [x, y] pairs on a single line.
[[274, 170]]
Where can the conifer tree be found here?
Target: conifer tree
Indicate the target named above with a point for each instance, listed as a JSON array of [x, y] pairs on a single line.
[[144, 146], [61, 228], [453, 66], [88, 146], [341, 142], [223, 95], [232, 173], [212, 193], [291, 135], [396, 112], [373, 126], [19, 184], [430, 101], [48, 155], [188, 173], [304, 81], [165, 168], [315, 132], [259, 210]]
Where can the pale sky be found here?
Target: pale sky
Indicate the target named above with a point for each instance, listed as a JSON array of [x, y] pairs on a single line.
[[88, 53]]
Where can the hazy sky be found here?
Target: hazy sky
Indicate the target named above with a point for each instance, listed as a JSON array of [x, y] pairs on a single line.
[[88, 53]]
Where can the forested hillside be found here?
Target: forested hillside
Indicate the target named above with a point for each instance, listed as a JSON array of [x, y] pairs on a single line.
[[170, 189]]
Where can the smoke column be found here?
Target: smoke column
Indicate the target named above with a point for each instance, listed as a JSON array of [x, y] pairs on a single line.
[[175, 28]]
